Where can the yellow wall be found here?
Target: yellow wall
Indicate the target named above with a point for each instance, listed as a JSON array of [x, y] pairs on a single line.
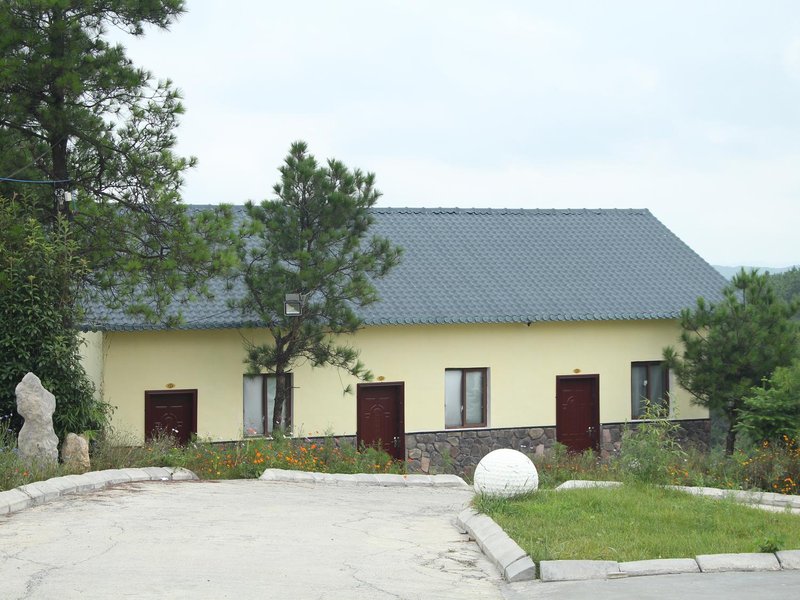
[[523, 364], [92, 358]]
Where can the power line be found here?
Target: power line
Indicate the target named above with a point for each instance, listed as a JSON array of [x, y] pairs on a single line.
[[42, 181], [34, 161]]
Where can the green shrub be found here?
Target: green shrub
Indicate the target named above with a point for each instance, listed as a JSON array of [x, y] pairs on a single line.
[[650, 452], [772, 412], [39, 269]]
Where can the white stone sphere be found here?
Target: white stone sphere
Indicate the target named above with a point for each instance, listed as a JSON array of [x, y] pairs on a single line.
[[505, 473]]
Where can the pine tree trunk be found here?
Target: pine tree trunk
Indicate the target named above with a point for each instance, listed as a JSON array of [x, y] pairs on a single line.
[[280, 398], [730, 440], [60, 174], [57, 129]]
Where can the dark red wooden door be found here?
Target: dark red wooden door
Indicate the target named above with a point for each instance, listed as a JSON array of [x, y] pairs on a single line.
[[577, 412], [380, 417], [171, 412]]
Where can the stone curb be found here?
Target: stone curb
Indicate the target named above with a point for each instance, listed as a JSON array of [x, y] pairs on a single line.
[[381, 479], [789, 559], [719, 563], [577, 570], [659, 566], [510, 559], [581, 484], [491, 539], [773, 499], [41, 492]]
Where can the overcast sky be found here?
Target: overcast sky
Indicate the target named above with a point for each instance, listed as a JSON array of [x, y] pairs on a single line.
[[688, 108]]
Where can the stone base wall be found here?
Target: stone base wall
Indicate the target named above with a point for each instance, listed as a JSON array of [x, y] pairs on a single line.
[[460, 451], [338, 440], [696, 432]]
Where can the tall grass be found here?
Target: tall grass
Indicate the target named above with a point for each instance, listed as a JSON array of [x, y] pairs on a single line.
[[14, 471], [243, 459], [651, 454]]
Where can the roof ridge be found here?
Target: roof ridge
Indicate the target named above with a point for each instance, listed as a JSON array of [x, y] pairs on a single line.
[[512, 211], [473, 210]]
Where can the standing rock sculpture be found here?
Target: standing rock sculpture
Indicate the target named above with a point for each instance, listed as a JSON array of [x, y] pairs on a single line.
[[37, 440], [75, 452]]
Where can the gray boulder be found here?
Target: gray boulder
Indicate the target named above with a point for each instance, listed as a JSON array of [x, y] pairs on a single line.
[[37, 440], [75, 452]]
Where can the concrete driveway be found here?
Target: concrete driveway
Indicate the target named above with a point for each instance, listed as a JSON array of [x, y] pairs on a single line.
[[244, 539], [257, 539]]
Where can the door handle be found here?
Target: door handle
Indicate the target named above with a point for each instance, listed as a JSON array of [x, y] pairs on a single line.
[[396, 441], [590, 431]]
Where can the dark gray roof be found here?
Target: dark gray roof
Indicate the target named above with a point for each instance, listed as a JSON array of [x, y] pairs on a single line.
[[511, 266]]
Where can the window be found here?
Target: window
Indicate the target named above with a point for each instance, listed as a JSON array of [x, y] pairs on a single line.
[[465, 397], [259, 401], [649, 382]]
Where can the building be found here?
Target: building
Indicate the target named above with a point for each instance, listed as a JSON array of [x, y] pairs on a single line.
[[501, 328]]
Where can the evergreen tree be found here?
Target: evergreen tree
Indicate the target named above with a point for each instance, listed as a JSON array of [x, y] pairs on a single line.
[[787, 284], [75, 112], [313, 241], [730, 347]]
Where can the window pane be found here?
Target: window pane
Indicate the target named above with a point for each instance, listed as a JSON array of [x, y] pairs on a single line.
[[638, 389], [474, 397], [452, 398], [253, 405], [271, 402], [657, 387]]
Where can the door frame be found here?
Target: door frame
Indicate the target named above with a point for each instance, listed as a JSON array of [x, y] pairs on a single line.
[[148, 394], [401, 411], [595, 379]]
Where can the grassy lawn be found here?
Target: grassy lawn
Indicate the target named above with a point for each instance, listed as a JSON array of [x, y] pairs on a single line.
[[637, 522]]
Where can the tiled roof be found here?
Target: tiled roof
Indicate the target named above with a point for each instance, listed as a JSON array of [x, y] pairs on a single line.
[[510, 266]]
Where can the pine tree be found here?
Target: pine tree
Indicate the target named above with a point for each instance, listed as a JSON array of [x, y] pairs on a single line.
[[75, 112], [312, 241], [730, 347], [77, 116], [787, 284]]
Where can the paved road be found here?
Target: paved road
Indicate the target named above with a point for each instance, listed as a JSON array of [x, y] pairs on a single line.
[[244, 539], [255, 539], [706, 586]]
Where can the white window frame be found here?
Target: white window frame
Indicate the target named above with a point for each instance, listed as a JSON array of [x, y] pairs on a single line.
[[463, 371], [253, 429]]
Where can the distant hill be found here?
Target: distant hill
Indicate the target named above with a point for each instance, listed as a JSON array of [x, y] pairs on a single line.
[[729, 272]]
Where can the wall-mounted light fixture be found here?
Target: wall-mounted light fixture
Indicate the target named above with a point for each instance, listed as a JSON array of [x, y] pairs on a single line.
[[293, 305]]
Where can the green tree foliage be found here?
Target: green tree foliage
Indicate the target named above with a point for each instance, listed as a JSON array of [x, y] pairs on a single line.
[[75, 111], [730, 347], [37, 285], [773, 410], [787, 284], [312, 240]]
